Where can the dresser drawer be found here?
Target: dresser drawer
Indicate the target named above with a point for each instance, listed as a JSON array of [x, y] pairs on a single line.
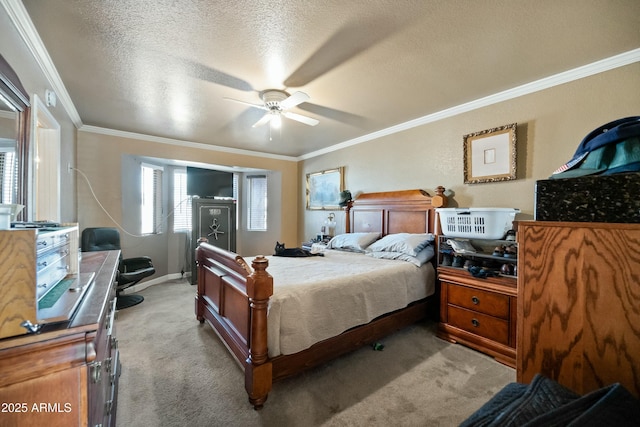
[[479, 324], [52, 267], [49, 240], [493, 304]]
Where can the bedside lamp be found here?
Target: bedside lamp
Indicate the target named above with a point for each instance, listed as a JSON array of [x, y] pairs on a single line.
[[330, 224]]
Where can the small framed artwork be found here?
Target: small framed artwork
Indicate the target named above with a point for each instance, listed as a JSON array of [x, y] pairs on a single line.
[[490, 155], [324, 187]]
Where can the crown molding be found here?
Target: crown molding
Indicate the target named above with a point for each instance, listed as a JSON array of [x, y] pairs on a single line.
[[597, 67], [180, 143], [21, 20]]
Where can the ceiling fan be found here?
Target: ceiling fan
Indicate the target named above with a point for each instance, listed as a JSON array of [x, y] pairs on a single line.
[[276, 103]]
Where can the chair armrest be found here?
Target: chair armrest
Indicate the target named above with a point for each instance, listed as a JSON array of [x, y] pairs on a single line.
[[132, 277], [136, 263]]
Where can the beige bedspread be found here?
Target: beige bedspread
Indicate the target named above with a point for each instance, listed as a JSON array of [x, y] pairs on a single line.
[[316, 298]]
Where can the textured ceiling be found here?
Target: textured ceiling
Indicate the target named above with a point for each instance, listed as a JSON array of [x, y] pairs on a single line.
[[163, 67]]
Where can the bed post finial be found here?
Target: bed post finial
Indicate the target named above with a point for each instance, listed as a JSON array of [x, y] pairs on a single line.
[[258, 371], [439, 200], [347, 217]]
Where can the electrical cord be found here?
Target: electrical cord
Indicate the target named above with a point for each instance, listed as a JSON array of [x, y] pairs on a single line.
[[158, 228]]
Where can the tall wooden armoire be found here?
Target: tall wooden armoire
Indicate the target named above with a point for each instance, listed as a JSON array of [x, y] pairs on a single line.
[[578, 304]]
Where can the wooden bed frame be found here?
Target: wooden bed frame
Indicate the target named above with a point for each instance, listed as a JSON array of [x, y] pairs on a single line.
[[233, 297]]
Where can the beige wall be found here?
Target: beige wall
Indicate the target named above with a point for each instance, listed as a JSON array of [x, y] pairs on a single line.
[[551, 124], [100, 158]]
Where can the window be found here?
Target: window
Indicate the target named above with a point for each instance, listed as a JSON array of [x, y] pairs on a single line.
[[236, 197], [9, 174], [257, 203], [151, 199], [181, 202]]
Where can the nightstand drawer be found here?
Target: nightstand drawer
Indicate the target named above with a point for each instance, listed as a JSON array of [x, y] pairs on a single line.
[[493, 304], [479, 324]]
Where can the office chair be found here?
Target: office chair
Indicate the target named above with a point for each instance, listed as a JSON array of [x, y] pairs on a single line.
[[130, 270]]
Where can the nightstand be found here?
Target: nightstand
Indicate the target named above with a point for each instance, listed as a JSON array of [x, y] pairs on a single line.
[[479, 312]]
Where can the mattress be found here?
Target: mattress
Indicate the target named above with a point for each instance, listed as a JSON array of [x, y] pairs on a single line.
[[316, 298]]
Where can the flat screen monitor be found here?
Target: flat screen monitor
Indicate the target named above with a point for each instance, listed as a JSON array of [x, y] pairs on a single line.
[[209, 183]]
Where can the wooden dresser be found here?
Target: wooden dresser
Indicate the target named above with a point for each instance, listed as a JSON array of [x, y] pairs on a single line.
[[579, 304], [67, 373]]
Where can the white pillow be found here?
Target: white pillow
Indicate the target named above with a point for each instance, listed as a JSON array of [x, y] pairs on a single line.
[[355, 242], [410, 244], [423, 256]]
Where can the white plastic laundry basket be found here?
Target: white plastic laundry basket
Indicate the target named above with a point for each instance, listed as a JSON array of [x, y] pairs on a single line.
[[476, 223]]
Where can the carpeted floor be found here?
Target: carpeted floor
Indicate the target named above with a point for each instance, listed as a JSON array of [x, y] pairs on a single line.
[[176, 372]]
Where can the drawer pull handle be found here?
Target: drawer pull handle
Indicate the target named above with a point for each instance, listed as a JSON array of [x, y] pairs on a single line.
[[475, 300], [30, 327], [475, 322], [96, 372]]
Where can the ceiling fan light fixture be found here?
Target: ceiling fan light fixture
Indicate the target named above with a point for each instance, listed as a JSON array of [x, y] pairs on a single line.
[[276, 103], [276, 120], [273, 97]]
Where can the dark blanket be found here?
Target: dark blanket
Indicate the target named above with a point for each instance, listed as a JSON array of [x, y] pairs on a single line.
[[544, 402]]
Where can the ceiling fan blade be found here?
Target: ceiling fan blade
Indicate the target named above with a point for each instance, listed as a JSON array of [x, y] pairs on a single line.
[[300, 118], [265, 119], [293, 100], [334, 114], [260, 106]]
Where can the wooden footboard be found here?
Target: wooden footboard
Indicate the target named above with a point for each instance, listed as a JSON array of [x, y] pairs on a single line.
[[233, 298]]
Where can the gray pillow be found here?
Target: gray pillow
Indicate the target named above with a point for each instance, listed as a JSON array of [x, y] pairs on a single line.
[[410, 244], [354, 242]]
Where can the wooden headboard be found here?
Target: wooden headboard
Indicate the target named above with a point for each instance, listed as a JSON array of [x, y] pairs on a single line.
[[408, 211]]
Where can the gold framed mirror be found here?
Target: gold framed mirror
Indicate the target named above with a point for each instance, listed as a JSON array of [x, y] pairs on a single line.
[[15, 110]]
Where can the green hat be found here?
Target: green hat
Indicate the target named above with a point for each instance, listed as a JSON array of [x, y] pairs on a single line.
[[607, 160], [345, 198]]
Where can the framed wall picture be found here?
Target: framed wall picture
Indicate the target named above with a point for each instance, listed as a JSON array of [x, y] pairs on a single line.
[[490, 155], [324, 187]]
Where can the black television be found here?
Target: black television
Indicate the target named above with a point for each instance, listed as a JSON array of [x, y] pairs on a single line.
[[208, 183]]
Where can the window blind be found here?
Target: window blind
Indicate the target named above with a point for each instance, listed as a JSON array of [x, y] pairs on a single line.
[[151, 209], [257, 202], [9, 175], [181, 202], [157, 200]]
